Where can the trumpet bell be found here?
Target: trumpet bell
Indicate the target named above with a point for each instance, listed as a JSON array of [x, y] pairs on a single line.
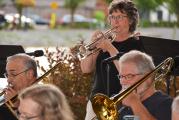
[[106, 106]]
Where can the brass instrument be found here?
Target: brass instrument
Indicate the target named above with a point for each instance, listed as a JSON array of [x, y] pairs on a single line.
[[3, 91], [106, 108], [86, 50], [10, 103]]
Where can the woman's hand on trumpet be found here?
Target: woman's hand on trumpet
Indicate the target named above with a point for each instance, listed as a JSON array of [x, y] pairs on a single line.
[[105, 45], [101, 41]]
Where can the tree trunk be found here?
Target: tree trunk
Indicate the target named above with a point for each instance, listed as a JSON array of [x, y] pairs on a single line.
[[177, 19], [72, 18], [19, 8]]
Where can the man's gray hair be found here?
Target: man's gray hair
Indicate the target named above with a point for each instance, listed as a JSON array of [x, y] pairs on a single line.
[[27, 60], [143, 62]]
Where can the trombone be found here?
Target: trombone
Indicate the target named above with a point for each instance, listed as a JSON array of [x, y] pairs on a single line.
[[10, 103], [87, 50], [106, 108]]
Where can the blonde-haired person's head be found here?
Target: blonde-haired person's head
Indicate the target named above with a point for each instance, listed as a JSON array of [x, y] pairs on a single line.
[[45, 102]]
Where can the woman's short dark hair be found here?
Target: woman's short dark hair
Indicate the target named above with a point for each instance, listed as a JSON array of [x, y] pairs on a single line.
[[127, 7]]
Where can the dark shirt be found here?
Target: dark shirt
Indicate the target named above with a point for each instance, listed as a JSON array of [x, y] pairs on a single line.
[[158, 105], [106, 80], [6, 114]]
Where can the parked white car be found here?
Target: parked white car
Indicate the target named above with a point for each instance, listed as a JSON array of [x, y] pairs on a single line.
[[10, 18]]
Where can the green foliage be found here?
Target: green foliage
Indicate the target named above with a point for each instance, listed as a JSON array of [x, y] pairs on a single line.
[[69, 78], [20, 6], [19, 9], [147, 23], [99, 15], [83, 25], [108, 1], [1, 2], [72, 5], [148, 4], [173, 7]]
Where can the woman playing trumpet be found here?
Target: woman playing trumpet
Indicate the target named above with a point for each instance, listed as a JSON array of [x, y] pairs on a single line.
[[124, 16]]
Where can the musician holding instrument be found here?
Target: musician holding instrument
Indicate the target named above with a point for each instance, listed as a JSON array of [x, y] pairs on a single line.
[[44, 102], [175, 108], [123, 18], [21, 72], [145, 101]]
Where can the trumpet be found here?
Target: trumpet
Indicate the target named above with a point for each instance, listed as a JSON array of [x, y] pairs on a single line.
[[106, 108], [87, 50], [10, 103]]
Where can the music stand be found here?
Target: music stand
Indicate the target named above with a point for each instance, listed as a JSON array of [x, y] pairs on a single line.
[[160, 49], [5, 51]]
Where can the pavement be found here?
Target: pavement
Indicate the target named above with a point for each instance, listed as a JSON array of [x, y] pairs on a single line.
[[44, 37]]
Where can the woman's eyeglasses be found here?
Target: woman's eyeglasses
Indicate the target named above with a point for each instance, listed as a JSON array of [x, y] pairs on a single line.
[[119, 17]]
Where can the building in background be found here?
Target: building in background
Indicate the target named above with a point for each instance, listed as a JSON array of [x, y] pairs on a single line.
[[162, 14]]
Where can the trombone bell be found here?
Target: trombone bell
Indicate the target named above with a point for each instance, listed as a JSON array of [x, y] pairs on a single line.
[[106, 106]]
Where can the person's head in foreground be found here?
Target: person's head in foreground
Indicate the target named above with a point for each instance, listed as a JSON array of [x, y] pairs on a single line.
[[43, 102]]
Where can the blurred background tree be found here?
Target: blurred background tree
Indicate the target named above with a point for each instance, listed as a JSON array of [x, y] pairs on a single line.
[[20, 5], [2, 3], [145, 6], [72, 5], [108, 1], [99, 15], [173, 7]]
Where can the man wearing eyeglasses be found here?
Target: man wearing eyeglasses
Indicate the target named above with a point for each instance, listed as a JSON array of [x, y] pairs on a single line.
[[145, 102], [21, 72]]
